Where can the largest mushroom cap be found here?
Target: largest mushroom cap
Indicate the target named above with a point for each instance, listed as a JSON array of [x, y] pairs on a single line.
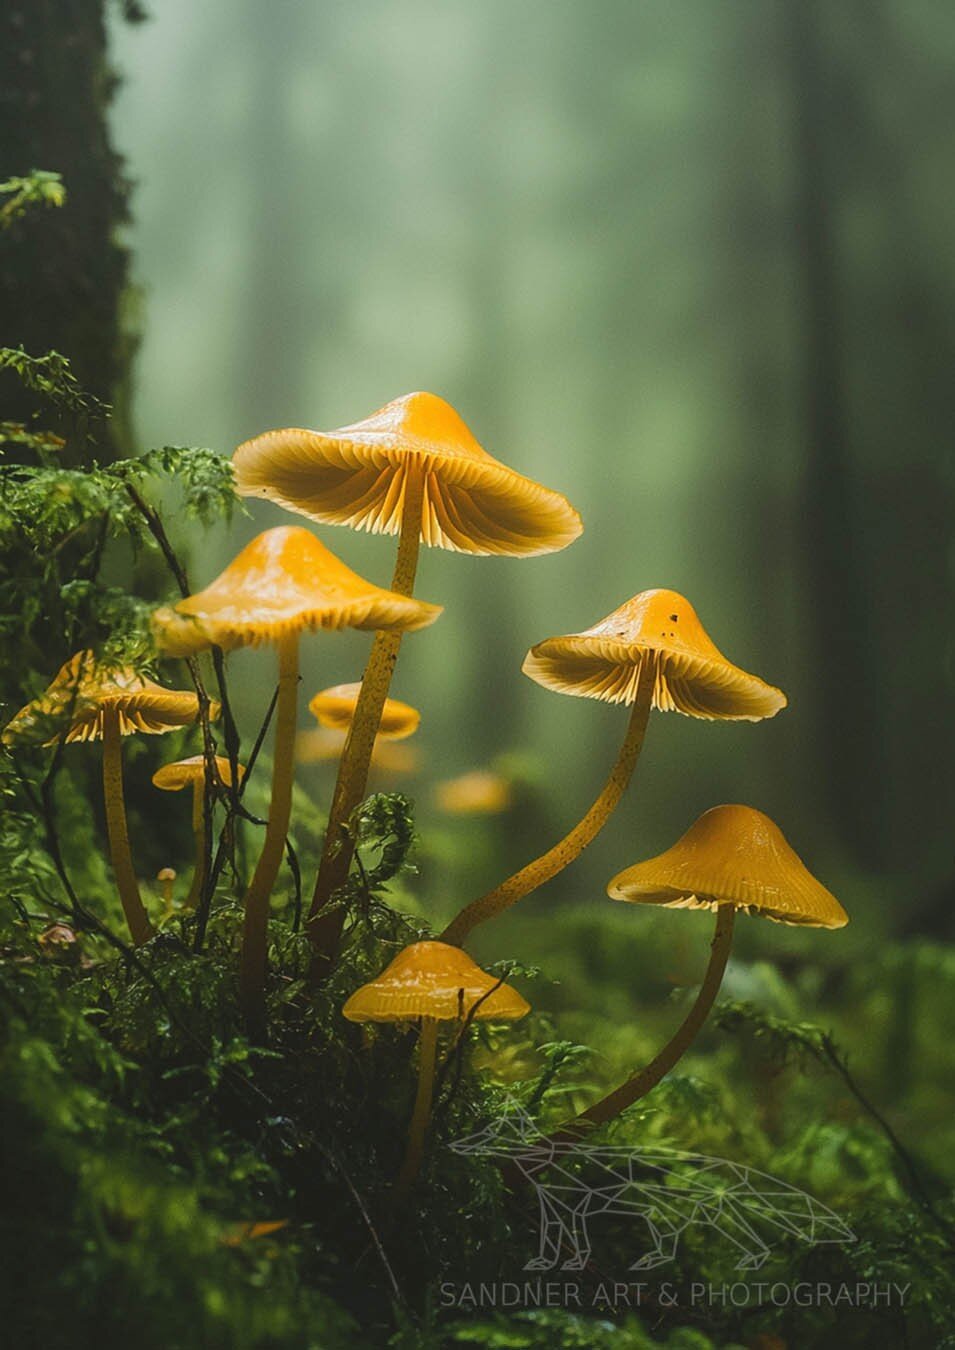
[[82, 690], [692, 674], [432, 979], [733, 855], [356, 476], [281, 583]]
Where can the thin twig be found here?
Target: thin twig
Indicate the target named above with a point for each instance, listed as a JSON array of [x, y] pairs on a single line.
[[205, 902], [841, 1067], [456, 1049]]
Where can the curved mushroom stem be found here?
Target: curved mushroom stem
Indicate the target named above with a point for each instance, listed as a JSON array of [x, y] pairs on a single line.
[[325, 923], [140, 928], [609, 1107], [199, 835], [256, 903], [427, 1052], [568, 849]]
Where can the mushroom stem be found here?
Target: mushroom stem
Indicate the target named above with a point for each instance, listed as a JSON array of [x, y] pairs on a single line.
[[427, 1053], [324, 922], [122, 859], [568, 849], [199, 835], [255, 928], [609, 1107]]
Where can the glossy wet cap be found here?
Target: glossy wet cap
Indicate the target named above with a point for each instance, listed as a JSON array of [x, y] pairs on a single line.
[[187, 772], [81, 692], [283, 582], [692, 675], [356, 475], [732, 855], [433, 979], [335, 708]]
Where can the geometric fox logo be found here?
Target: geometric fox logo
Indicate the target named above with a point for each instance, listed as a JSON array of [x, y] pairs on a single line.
[[666, 1189]]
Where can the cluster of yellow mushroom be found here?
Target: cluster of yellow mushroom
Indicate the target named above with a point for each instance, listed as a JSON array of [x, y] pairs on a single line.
[[87, 702], [414, 469]]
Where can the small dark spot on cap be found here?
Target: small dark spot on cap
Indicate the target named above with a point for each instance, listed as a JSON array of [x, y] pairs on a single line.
[[674, 618]]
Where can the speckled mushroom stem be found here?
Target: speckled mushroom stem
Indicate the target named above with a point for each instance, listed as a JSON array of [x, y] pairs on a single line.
[[255, 928], [609, 1107], [325, 923], [421, 1116], [199, 835], [140, 928], [569, 848]]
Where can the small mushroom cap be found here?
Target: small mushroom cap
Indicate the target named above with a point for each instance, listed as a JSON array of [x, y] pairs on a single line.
[[237, 1233], [82, 690], [732, 855], [184, 772], [692, 674], [479, 792], [166, 874], [281, 583], [335, 707], [357, 474], [433, 979], [56, 939]]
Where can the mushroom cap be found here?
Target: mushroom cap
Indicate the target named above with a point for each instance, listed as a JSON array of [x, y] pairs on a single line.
[[56, 937], [356, 476], [732, 855], [325, 744], [237, 1233], [692, 674], [479, 792], [335, 707], [82, 690], [433, 979], [184, 772], [281, 583]]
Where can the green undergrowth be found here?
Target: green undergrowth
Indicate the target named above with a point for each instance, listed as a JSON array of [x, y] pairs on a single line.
[[142, 1130]]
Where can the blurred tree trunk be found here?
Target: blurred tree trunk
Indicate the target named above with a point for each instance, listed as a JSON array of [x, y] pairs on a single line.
[[277, 317], [63, 273], [487, 408], [847, 670]]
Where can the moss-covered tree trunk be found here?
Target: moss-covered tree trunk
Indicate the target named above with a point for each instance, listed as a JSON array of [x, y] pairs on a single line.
[[63, 272]]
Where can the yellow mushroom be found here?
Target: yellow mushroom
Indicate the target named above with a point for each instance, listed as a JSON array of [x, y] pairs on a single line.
[[58, 942], [335, 708], [428, 983], [250, 1231], [191, 773], [281, 584], [652, 652], [732, 858], [166, 876], [87, 702], [414, 469], [481, 792]]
